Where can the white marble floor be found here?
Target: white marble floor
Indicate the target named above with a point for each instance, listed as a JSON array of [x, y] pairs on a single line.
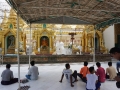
[[49, 76]]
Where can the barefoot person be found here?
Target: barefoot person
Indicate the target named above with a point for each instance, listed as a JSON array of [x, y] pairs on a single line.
[[7, 76], [92, 80], [71, 77], [100, 73], [83, 72], [110, 72], [33, 72], [115, 52]]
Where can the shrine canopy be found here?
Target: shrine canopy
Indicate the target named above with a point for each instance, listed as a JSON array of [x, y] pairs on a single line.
[[68, 11]]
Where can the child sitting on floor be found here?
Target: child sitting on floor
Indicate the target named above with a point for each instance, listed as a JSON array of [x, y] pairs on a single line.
[[92, 80], [71, 77], [83, 72]]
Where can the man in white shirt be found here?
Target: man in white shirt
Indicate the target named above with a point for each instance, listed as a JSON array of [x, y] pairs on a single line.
[[92, 80], [33, 72], [70, 76], [7, 76]]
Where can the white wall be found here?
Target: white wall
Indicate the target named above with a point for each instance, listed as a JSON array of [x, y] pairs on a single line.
[[109, 38]]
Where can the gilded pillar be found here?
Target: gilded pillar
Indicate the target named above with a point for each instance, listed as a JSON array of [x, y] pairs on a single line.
[[24, 43], [38, 41], [54, 42], [3, 45], [83, 44], [16, 44], [86, 43], [20, 34], [92, 41], [100, 42], [50, 42]]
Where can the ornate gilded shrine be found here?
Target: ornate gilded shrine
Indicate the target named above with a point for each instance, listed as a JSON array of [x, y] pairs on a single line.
[[8, 40], [88, 40], [44, 39]]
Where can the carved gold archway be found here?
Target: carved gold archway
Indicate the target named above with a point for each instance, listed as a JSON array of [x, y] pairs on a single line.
[[37, 34]]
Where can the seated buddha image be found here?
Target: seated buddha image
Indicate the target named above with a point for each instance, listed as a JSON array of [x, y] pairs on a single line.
[[44, 43], [11, 42]]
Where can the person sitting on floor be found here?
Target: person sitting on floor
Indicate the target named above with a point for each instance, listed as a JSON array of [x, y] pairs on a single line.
[[118, 67], [33, 72], [115, 53], [92, 80], [70, 76], [110, 72], [84, 70], [100, 73], [7, 76]]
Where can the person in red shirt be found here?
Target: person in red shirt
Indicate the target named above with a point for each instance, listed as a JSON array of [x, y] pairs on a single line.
[[83, 72], [100, 73]]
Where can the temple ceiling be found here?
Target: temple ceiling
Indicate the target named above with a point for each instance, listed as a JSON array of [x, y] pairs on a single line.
[[63, 11]]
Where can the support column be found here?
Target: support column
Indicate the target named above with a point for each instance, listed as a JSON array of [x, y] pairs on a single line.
[[16, 44], [30, 47], [94, 48], [18, 47]]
